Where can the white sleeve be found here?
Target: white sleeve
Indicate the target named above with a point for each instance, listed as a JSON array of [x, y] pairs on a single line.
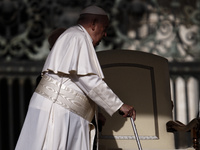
[[97, 90]]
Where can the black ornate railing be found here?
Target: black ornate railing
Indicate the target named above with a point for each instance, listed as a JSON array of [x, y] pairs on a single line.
[[169, 28]]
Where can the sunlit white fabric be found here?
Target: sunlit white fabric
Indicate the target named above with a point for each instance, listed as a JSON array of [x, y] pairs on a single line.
[[50, 126], [66, 97], [99, 92], [73, 51]]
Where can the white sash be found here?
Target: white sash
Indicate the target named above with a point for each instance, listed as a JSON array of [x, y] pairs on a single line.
[[66, 97]]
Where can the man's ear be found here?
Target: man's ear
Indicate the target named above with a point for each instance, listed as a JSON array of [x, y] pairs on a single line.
[[94, 22]]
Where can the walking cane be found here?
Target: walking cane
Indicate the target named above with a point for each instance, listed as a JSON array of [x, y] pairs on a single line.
[[136, 134], [134, 130]]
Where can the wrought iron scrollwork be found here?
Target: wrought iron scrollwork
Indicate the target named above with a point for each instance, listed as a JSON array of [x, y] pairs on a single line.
[[167, 28]]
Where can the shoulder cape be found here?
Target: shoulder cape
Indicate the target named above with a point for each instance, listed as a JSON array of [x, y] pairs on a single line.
[[73, 51]]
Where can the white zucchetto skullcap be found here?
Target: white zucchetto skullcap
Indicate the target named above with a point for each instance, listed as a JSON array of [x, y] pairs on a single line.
[[93, 10]]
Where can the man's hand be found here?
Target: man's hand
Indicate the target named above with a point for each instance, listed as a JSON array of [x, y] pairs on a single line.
[[128, 111]]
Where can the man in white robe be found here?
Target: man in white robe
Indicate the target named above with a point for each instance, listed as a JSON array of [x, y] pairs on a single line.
[[63, 104]]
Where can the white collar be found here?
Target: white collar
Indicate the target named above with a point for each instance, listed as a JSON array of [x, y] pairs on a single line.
[[88, 35]]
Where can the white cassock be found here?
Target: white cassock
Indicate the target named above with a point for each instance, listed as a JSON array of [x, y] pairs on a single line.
[[62, 121]]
